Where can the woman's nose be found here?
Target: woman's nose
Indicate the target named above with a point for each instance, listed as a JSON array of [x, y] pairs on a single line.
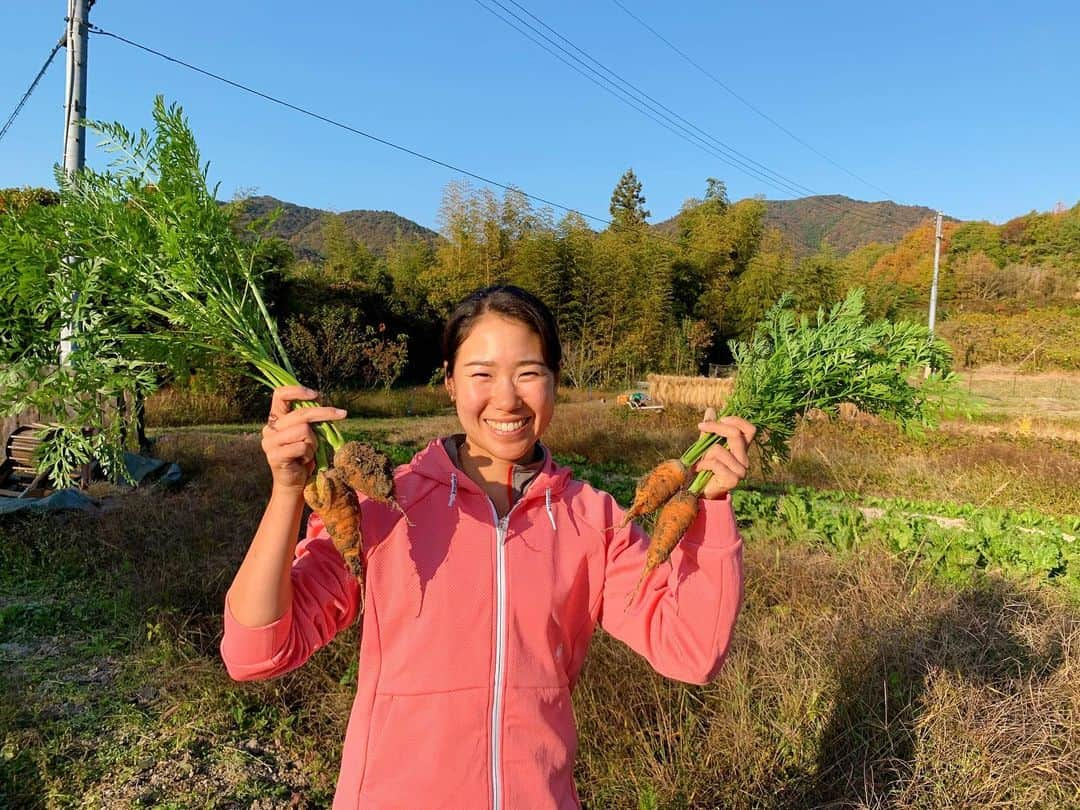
[[506, 395]]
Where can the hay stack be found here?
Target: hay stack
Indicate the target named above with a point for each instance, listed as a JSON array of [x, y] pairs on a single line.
[[697, 392]]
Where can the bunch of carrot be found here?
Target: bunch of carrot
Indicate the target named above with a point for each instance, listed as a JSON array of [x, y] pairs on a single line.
[[790, 366], [333, 494]]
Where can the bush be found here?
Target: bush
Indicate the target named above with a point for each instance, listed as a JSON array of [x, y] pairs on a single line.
[[1037, 340]]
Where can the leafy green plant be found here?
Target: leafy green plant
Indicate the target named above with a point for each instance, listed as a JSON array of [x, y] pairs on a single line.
[[791, 366], [156, 278]]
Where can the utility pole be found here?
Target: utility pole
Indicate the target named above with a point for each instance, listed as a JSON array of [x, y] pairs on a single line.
[[74, 111], [934, 283]]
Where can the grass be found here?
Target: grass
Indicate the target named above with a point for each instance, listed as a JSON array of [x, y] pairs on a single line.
[[851, 682]]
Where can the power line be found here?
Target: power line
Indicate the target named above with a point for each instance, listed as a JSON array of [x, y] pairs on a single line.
[[647, 107], [101, 31], [296, 108], [744, 101], [641, 99], [94, 29], [740, 160], [733, 158], [33, 85]]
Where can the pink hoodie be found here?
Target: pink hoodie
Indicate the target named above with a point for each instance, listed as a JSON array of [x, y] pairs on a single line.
[[475, 630]]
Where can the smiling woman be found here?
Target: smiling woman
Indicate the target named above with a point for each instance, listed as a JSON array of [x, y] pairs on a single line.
[[479, 606], [502, 382]]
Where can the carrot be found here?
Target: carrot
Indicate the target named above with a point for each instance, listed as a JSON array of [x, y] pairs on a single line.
[[671, 524], [331, 498], [366, 471], [654, 490]]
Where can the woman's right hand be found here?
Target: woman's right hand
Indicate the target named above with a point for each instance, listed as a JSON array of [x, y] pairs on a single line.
[[288, 440]]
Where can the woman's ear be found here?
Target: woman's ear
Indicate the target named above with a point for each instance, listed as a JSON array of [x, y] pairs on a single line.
[[447, 381]]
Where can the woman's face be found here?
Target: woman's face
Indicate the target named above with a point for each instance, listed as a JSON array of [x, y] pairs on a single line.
[[503, 392]]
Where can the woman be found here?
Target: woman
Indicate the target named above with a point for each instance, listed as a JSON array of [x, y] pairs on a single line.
[[479, 608]]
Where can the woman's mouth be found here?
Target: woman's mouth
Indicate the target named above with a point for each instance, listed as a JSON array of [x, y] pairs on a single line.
[[506, 427]]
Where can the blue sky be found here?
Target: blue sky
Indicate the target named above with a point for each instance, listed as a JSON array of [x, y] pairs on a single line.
[[968, 107]]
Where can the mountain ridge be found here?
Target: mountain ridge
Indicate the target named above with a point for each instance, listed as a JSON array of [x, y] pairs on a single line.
[[302, 227], [807, 222], [841, 222]]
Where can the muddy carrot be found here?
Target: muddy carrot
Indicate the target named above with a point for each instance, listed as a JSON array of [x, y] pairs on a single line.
[[671, 524], [654, 490], [330, 496], [366, 471]]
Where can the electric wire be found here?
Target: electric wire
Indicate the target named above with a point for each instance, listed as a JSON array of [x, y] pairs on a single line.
[[735, 158], [326, 120], [712, 77], [33, 85], [97, 30], [755, 168], [94, 29]]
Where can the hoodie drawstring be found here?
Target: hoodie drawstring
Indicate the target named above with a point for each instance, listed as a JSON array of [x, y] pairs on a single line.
[[547, 499], [547, 507]]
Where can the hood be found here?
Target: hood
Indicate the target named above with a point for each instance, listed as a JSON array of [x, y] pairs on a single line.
[[433, 469]]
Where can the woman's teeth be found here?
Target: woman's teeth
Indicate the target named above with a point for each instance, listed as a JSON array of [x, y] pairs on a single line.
[[507, 427]]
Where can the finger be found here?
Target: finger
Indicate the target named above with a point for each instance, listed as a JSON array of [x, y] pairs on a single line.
[[732, 433], [307, 416], [710, 415], [723, 480], [285, 395], [288, 434], [746, 428], [288, 445], [720, 459], [718, 487], [290, 454], [737, 446]]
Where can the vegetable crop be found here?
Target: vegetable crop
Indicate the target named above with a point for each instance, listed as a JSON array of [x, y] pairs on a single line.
[[793, 365], [153, 279]]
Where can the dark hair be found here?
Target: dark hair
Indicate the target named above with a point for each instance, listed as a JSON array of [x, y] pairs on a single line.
[[509, 302]]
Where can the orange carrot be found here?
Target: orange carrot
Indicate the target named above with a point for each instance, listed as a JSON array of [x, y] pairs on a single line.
[[671, 524], [654, 490], [330, 496]]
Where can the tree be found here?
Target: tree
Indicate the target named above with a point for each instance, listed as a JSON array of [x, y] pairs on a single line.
[[716, 194], [628, 203]]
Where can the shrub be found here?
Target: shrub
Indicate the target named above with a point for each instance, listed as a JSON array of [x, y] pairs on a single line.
[[1038, 339]]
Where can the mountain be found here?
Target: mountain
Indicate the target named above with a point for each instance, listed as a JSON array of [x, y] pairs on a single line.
[[302, 227], [842, 222]]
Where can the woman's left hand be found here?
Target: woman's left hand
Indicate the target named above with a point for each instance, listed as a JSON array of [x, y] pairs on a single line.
[[728, 465]]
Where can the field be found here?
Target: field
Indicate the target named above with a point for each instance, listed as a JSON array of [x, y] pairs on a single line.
[[910, 636]]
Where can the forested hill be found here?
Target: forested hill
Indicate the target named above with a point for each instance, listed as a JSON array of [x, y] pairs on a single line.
[[303, 227], [842, 222]]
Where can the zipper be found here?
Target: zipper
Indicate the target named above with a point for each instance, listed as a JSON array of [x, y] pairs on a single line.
[[501, 526]]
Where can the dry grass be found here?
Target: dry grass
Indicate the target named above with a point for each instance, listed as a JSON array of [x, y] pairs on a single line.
[[874, 458], [844, 688]]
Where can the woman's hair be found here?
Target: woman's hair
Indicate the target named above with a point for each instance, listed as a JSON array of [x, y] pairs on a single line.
[[509, 302]]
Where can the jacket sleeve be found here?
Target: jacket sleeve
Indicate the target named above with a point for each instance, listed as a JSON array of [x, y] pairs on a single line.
[[325, 600], [682, 619]]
